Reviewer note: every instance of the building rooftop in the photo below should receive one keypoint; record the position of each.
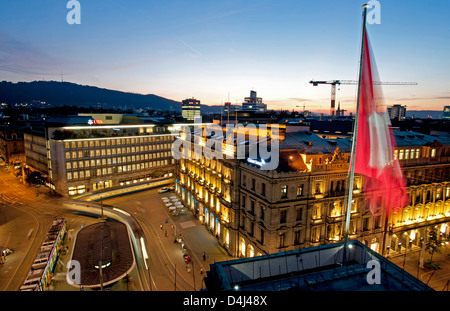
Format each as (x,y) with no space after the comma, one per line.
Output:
(67,120)
(412,139)
(306,141)
(311,269)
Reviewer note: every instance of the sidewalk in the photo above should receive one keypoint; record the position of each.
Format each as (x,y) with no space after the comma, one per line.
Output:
(436,279)
(195,237)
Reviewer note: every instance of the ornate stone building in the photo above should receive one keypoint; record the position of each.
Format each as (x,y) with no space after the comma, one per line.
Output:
(303,202)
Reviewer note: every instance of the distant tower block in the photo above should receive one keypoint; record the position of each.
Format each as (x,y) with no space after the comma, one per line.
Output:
(190,109)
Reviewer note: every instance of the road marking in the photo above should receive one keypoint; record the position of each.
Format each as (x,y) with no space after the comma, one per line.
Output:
(29,232)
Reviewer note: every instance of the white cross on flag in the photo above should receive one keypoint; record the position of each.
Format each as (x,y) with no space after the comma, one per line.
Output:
(376,143)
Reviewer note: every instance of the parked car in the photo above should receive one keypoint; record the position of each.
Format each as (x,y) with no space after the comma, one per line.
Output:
(172,188)
(162,190)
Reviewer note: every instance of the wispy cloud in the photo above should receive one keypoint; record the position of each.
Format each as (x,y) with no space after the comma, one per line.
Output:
(195,52)
(22,58)
(413,98)
(213,17)
(27,61)
(299,99)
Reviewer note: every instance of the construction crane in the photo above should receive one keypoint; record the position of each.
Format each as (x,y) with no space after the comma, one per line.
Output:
(350,82)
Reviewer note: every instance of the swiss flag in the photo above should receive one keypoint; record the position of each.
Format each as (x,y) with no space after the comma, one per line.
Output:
(375,144)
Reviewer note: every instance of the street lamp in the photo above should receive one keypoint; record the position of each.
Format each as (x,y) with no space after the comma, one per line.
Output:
(422,253)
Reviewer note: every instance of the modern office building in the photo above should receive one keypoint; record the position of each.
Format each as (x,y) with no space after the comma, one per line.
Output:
(84,154)
(446,113)
(254,103)
(190,109)
(397,112)
(230,110)
(302,203)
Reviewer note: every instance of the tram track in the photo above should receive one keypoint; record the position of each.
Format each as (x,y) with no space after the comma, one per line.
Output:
(161,265)
(162,258)
(25,241)
(42,218)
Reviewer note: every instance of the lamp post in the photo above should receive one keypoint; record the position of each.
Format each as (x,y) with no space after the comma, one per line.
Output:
(422,252)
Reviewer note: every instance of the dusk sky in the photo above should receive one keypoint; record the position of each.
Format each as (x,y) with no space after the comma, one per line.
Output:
(214,49)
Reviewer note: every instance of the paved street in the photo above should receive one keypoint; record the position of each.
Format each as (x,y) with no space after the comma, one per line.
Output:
(26,214)
(168,269)
(436,279)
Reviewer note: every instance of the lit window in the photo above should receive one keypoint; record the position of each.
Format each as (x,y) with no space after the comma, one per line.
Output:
(299,190)
(284,191)
(433,153)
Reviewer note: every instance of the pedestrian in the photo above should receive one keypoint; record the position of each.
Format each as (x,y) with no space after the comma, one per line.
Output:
(165,233)
(161,226)
(201,269)
(204,256)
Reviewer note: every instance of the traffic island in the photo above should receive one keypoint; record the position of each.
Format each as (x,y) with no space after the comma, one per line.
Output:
(103,251)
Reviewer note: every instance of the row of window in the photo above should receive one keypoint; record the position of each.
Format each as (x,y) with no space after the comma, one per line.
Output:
(284,188)
(81,174)
(250,208)
(116,160)
(421,176)
(427,194)
(335,187)
(117,141)
(413,153)
(405,154)
(114,151)
(333,232)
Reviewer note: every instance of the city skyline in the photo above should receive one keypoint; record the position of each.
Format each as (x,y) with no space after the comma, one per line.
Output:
(219,51)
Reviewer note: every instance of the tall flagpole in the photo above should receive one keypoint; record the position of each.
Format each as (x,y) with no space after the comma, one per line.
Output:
(355,134)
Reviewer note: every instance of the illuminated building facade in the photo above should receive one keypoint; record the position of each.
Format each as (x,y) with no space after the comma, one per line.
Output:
(397,112)
(190,109)
(11,147)
(85,155)
(446,113)
(303,202)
